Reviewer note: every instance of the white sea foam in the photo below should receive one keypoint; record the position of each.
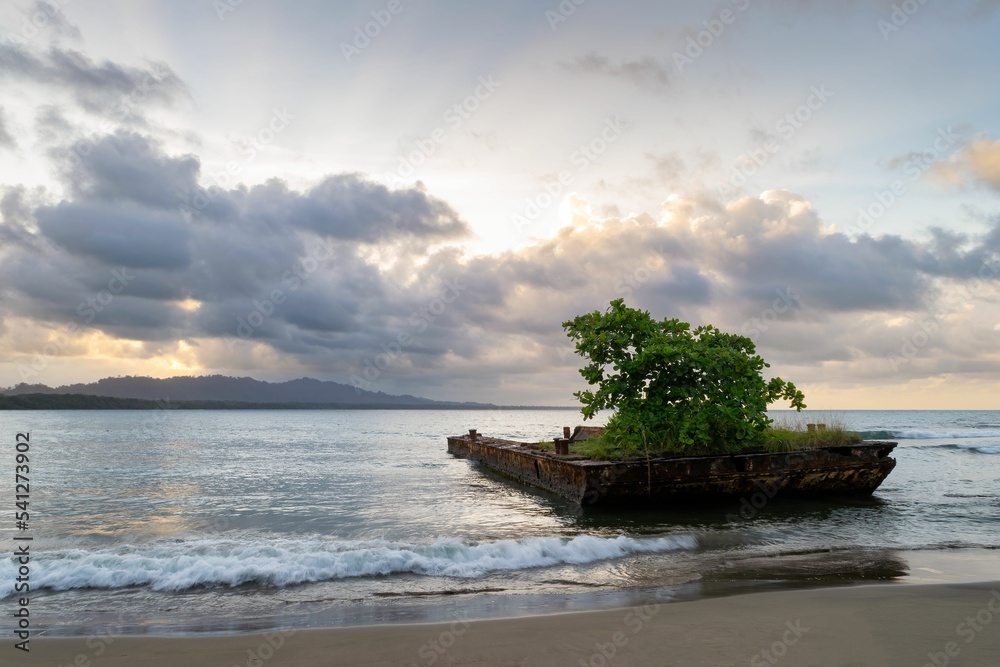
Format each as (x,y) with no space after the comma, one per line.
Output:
(991,448)
(917,434)
(180,565)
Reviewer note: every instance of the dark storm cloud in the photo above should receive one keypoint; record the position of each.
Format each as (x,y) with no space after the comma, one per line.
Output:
(128,167)
(60,289)
(645,72)
(16,211)
(118,234)
(97,87)
(349,207)
(686,285)
(317,310)
(834,273)
(125,213)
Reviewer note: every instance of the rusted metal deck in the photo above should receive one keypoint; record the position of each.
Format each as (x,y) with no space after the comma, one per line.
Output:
(855,470)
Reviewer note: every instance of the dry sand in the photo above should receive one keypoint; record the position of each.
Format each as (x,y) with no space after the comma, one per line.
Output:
(862,626)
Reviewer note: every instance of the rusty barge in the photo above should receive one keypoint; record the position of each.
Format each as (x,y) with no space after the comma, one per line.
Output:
(852,470)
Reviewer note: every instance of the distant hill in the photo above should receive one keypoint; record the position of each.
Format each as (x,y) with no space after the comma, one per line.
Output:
(224,389)
(81,402)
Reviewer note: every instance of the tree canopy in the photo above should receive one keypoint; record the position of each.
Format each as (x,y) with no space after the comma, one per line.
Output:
(674,388)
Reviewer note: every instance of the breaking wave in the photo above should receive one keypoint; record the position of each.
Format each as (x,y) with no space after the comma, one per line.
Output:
(978,449)
(913,434)
(182,565)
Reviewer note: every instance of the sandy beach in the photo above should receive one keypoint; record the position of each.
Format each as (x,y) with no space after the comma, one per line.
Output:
(858,626)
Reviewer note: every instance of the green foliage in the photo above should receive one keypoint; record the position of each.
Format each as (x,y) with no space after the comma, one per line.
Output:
(73,402)
(674,389)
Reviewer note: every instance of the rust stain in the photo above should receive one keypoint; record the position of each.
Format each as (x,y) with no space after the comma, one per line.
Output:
(836,471)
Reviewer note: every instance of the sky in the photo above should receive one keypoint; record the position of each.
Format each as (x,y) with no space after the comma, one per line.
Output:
(412,196)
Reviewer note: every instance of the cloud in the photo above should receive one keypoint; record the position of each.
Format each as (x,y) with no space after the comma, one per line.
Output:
(667,167)
(6,138)
(48,16)
(16,212)
(978,162)
(645,72)
(985,8)
(103,88)
(963,9)
(129,167)
(325,279)
(51,125)
(118,234)
(124,216)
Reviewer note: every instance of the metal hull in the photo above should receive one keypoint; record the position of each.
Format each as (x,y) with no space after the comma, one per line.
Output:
(856,470)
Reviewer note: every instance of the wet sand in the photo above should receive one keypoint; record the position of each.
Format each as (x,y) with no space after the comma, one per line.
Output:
(916,625)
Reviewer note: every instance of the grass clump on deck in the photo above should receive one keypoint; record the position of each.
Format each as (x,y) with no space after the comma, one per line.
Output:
(783,438)
(787,440)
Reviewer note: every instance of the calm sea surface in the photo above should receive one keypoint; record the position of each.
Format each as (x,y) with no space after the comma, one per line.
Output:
(224,521)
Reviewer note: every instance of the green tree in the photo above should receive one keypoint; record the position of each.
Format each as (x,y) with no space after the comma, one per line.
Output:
(674,389)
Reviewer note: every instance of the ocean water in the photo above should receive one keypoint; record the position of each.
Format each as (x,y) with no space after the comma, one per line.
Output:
(176,522)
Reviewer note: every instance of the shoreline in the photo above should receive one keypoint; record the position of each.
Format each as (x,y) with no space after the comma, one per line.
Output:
(871,624)
(753,575)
